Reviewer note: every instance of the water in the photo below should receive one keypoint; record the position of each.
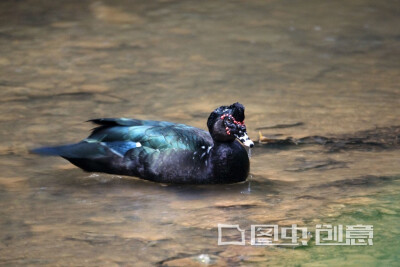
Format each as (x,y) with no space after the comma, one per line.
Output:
(333,66)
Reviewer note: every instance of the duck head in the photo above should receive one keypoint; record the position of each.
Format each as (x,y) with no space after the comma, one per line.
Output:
(226,123)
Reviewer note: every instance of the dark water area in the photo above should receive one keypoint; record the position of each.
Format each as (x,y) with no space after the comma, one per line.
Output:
(320,81)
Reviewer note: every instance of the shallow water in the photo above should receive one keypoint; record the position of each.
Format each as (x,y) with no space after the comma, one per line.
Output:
(333,66)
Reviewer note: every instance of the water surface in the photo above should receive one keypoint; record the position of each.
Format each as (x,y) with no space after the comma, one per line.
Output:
(331,68)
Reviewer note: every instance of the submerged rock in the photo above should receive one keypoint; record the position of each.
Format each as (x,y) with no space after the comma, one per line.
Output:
(327,164)
(194,261)
(375,139)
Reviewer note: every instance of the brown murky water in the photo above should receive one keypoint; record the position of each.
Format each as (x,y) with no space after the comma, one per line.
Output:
(330,68)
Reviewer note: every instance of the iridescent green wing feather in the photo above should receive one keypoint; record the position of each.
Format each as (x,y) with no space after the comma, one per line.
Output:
(150,134)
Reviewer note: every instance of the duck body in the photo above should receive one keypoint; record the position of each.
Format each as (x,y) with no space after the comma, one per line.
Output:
(159,151)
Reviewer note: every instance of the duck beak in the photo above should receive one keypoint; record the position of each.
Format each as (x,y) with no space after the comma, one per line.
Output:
(246,140)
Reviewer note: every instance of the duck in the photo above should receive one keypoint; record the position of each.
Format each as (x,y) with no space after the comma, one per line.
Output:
(165,152)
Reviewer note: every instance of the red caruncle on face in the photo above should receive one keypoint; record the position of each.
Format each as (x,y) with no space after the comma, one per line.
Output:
(240,123)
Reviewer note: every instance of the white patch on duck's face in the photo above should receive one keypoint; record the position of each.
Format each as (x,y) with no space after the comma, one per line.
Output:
(138,144)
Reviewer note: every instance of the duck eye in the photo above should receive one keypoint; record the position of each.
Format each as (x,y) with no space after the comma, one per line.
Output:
(227,118)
